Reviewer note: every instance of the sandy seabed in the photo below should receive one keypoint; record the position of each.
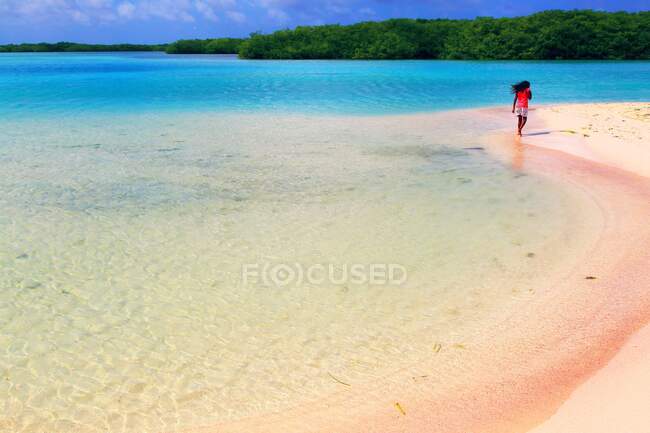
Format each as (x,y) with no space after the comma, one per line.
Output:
(574,358)
(546,344)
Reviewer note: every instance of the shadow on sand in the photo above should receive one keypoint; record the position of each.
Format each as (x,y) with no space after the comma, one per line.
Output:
(537,133)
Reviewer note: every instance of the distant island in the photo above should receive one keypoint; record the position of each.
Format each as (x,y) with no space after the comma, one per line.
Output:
(71,47)
(549,35)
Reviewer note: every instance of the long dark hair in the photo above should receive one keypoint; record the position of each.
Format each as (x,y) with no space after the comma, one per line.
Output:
(520,86)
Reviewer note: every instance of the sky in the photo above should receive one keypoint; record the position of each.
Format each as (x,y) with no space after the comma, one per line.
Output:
(156,21)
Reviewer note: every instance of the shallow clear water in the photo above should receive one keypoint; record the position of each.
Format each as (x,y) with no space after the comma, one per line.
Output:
(125,229)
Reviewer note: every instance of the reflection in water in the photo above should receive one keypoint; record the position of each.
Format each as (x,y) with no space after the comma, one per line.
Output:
(518,150)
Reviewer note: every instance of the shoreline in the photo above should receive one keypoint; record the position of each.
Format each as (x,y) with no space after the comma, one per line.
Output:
(610,136)
(527,345)
(613,398)
(605,133)
(554,344)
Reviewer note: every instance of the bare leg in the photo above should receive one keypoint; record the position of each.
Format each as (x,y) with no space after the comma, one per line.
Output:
(523,123)
(519,124)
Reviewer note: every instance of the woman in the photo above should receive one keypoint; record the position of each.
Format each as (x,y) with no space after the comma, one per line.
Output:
(520,104)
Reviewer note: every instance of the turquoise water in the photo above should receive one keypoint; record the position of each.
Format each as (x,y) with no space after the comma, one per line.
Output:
(123,241)
(135,188)
(69,84)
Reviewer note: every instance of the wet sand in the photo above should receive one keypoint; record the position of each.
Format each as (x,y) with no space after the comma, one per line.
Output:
(123,306)
(615,398)
(534,344)
(532,365)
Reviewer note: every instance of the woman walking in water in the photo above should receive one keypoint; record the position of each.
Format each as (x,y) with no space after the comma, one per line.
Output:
(520,104)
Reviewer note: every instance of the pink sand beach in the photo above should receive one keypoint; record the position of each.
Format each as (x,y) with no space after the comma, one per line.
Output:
(526,308)
(572,359)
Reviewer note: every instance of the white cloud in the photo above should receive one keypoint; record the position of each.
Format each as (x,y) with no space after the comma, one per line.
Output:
(88,11)
(126,10)
(222,4)
(206,10)
(94,4)
(30,12)
(186,17)
(278,14)
(169,10)
(79,17)
(236,16)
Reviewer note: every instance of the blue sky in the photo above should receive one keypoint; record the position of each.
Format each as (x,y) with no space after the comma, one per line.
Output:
(146,21)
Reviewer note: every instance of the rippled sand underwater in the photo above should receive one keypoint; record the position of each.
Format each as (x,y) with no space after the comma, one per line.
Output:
(122,305)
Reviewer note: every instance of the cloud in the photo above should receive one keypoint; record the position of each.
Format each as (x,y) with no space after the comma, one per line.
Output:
(278,15)
(126,10)
(168,10)
(79,17)
(95,4)
(206,10)
(236,16)
(28,12)
(88,11)
(265,14)
(315,11)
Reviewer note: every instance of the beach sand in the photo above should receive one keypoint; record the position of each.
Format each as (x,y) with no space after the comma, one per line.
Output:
(559,344)
(615,134)
(560,362)
(616,397)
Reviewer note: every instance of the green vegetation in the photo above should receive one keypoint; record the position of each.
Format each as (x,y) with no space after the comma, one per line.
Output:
(549,35)
(185,46)
(553,35)
(205,46)
(73,47)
